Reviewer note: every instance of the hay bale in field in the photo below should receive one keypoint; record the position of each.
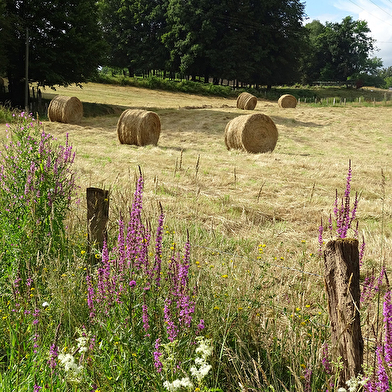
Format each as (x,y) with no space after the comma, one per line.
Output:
(65,109)
(287,101)
(246,101)
(138,127)
(252,133)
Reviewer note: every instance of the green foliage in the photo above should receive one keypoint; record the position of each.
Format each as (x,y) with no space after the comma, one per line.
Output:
(65,43)
(133,30)
(338,51)
(199,38)
(6,114)
(37,183)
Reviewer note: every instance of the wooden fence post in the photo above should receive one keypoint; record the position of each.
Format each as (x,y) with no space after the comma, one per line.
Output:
(97,217)
(341,261)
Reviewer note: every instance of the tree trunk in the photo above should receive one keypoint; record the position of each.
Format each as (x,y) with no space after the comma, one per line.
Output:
(341,261)
(16,89)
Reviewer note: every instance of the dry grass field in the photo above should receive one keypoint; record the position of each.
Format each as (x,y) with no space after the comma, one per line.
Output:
(232,199)
(277,197)
(233,203)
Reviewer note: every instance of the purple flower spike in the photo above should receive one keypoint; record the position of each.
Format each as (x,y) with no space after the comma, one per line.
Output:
(157,363)
(132,284)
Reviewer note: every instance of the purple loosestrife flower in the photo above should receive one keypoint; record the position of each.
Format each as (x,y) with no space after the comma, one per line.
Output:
(186,309)
(320,237)
(92,343)
(171,328)
(383,381)
(370,386)
(121,256)
(368,286)
(200,326)
(342,213)
(362,251)
(35,345)
(387,313)
(132,284)
(308,380)
(184,267)
(157,363)
(325,359)
(146,325)
(346,208)
(371,287)
(178,295)
(158,250)
(36,315)
(54,352)
(90,296)
(135,231)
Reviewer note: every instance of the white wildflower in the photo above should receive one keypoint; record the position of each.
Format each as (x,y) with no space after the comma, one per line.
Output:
(356,383)
(204,348)
(200,373)
(82,343)
(199,361)
(72,369)
(186,383)
(178,384)
(45,304)
(168,386)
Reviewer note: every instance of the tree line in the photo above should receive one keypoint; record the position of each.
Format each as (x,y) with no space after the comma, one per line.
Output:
(255,42)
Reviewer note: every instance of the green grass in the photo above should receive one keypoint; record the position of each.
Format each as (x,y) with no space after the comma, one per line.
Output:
(311,93)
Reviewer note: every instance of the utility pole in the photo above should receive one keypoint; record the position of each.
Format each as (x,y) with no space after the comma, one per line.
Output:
(27,72)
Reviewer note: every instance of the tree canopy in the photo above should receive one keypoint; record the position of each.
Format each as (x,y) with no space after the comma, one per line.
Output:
(256,42)
(64,39)
(338,51)
(253,41)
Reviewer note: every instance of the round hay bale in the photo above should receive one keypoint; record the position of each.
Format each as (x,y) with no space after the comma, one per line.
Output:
(65,109)
(287,101)
(252,133)
(138,127)
(246,101)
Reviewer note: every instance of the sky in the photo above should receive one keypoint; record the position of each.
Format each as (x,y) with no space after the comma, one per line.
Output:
(377,14)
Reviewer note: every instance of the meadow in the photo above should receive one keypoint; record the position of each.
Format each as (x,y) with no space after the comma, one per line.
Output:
(239,231)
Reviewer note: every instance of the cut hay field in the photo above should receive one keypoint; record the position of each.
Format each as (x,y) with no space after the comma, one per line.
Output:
(234,200)
(256,276)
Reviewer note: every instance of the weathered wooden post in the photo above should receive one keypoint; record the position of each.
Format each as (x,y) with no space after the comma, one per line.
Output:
(341,260)
(97,217)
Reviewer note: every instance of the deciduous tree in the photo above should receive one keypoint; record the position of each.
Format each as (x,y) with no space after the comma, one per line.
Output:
(133,30)
(340,51)
(64,39)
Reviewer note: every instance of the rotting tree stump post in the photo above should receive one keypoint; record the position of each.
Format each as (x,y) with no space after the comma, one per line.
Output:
(97,217)
(341,261)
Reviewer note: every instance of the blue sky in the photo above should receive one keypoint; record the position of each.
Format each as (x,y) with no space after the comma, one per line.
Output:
(377,14)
